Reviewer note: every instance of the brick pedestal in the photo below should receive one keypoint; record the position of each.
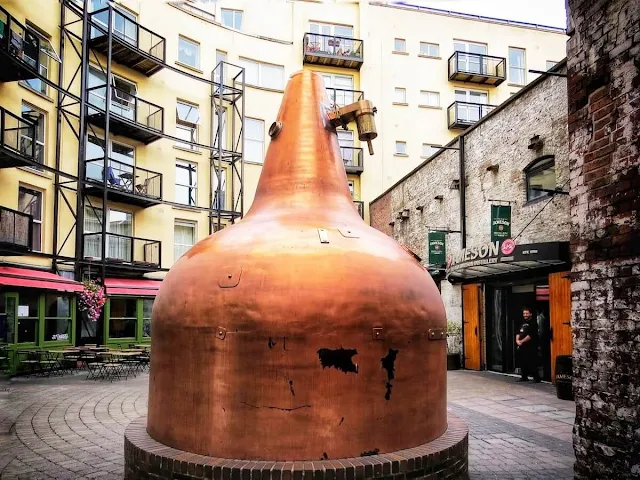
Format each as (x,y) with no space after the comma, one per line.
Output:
(443,458)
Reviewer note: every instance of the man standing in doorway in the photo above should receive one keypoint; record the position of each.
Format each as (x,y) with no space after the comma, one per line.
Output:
(527,350)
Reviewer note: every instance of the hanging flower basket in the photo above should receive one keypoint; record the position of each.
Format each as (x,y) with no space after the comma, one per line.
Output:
(92,299)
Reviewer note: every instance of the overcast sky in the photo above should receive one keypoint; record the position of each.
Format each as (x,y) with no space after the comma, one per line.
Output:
(542,12)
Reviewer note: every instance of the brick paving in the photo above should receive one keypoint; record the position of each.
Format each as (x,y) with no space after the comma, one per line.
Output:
(70,428)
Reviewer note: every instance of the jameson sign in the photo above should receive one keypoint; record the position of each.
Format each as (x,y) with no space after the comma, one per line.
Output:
(500,222)
(437,248)
(478,255)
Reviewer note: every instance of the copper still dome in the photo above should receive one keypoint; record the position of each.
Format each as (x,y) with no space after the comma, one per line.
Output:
(300,332)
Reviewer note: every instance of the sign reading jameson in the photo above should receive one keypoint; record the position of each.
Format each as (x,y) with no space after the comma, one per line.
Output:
(500,222)
(437,248)
(474,256)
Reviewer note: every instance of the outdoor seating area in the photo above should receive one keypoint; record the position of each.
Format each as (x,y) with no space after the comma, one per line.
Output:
(98,362)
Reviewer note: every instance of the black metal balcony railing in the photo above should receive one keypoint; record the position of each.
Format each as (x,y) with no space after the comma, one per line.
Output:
(332,50)
(134,45)
(353,159)
(16,139)
(22,46)
(476,68)
(465,114)
(16,229)
(123,249)
(360,207)
(339,97)
(125,177)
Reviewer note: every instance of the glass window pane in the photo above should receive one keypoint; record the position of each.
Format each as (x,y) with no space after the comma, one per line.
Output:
(251,71)
(399,45)
(27,330)
(57,305)
(146,327)
(121,307)
(399,95)
(188,52)
(28,305)
(57,329)
(541,178)
(186,112)
(30,201)
(147,306)
(272,76)
(401,148)
(122,327)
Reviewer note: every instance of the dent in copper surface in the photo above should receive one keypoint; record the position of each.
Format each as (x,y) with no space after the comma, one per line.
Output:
(237,369)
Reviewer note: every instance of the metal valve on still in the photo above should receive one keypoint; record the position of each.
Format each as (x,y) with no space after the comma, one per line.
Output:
(362,113)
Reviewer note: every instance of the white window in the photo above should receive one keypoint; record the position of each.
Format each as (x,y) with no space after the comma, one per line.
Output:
(232,18)
(428,150)
(401,148)
(332,39)
(472,105)
(187,121)
(186,183)
(551,64)
(34,115)
(399,95)
(184,237)
(517,68)
(264,75)
(254,140)
(429,99)
(188,52)
(119,241)
(429,49)
(345,140)
(471,58)
(399,45)
(352,188)
(30,202)
(339,89)
(331,29)
(219,72)
(38,49)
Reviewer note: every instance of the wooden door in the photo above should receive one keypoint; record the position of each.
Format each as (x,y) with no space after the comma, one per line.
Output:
(471,319)
(560,317)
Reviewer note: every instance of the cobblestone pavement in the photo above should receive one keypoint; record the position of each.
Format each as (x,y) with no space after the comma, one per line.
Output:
(70,428)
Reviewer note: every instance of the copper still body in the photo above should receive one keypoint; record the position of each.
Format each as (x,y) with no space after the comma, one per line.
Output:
(300,332)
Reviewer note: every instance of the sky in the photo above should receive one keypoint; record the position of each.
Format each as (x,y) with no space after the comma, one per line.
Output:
(543,12)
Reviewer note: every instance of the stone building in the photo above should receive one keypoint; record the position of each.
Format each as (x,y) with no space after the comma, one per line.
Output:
(604,122)
(516,174)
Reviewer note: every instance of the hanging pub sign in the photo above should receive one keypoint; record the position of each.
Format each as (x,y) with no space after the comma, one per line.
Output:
(437,248)
(500,222)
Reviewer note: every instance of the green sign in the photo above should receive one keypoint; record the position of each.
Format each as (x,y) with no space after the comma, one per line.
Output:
(500,222)
(437,248)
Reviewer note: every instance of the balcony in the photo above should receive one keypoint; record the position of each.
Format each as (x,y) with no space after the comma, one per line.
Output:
(125,183)
(132,45)
(339,97)
(464,114)
(477,68)
(16,230)
(124,253)
(17,148)
(130,116)
(332,50)
(19,50)
(353,159)
(360,207)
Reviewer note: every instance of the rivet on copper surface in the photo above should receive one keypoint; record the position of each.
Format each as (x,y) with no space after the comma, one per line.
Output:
(221,333)
(377,333)
(274,129)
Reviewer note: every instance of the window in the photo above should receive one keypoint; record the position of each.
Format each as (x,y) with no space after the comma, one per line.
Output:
(232,18)
(339,89)
(122,317)
(429,99)
(254,140)
(263,75)
(184,237)
(517,69)
(186,183)
(429,149)
(331,29)
(323,39)
(219,70)
(28,316)
(57,317)
(345,140)
(147,306)
(34,115)
(123,94)
(471,106)
(220,188)
(429,49)
(551,64)
(187,121)
(399,95)
(352,188)
(44,52)
(30,202)
(188,52)
(540,176)
(401,148)
(471,57)
(399,45)
(119,241)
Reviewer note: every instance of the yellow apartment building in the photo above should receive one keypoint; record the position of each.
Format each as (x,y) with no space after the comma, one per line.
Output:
(132,129)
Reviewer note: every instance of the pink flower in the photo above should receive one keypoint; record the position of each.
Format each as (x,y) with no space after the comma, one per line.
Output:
(92,299)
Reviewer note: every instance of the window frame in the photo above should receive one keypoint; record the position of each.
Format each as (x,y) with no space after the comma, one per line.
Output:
(403,43)
(549,67)
(188,224)
(139,319)
(260,84)
(397,152)
(433,149)
(429,94)
(39,221)
(262,140)
(540,164)
(192,169)
(182,38)
(401,90)
(234,12)
(523,69)
(429,45)
(42,143)
(187,126)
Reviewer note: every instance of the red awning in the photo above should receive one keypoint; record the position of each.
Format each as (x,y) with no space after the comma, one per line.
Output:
(24,277)
(132,286)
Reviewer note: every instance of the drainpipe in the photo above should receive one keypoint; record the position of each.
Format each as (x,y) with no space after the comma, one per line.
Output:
(463,190)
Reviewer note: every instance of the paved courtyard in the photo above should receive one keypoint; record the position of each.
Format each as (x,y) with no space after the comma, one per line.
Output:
(72,428)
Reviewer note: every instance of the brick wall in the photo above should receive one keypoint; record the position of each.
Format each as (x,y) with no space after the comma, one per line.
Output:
(380,215)
(604,122)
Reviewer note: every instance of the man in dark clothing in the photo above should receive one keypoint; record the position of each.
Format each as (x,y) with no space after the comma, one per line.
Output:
(527,347)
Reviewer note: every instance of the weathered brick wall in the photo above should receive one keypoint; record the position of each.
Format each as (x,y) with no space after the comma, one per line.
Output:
(604,122)
(380,214)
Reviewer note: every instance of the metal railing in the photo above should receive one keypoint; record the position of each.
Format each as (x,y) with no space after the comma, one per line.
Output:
(128,31)
(467,113)
(351,156)
(18,41)
(17,134)
(360,207)
(16,228)
(125,177)
(333,46)
(339,97)
(123,249)
(476,64)
(127,106)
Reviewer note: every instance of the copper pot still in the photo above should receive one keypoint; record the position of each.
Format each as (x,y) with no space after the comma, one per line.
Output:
(300,332)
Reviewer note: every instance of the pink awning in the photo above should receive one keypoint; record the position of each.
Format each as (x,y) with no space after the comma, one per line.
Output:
(132,286)
(24,277)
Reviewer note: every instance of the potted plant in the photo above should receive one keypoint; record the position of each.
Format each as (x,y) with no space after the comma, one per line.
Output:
(454,345)
(92,299)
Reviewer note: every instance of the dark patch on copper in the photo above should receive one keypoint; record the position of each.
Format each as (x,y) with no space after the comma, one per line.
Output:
(291,388)
(388,364)
(271,343)
(368,453)
(341,420)
(324,456)
(340,359)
